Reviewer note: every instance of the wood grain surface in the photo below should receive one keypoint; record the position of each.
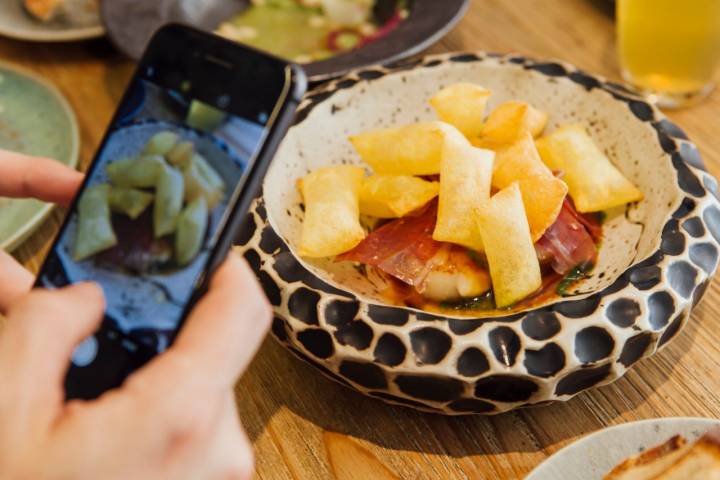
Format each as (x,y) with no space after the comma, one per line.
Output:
(303,425)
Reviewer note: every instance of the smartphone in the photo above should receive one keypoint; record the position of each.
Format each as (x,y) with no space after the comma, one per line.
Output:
(184,156)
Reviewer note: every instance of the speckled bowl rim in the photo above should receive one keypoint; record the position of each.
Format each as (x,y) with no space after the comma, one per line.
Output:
(374,379)
(34,222)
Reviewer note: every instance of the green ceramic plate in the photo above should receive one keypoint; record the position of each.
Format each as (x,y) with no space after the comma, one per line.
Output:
(37,120)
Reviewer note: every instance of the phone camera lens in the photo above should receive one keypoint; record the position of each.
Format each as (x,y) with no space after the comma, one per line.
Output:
(223,101)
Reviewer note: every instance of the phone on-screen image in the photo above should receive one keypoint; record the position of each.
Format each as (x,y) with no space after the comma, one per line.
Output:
(183,158)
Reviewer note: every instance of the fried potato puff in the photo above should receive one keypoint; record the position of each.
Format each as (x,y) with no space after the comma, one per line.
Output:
(595,183)
(462,105)
(510,122)
(410,150)
(543,193)
(514,266)
(394,196)
(465,178)
(332,211)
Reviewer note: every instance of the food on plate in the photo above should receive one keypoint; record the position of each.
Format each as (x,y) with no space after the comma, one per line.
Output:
(191,226)
(465,179)
(116,224)
(130,201)
(462,105)
(569,246)
(140,172)
(511,121)
(404,248)
(75,11)
(332,211)
(674,459)
(595,183)
(180,154)
(513,263)
(311,30)
(202,180)
(409,150)
(394,196)
(94,229)
(543,193)
(161,143)
(504,230)
(169,194)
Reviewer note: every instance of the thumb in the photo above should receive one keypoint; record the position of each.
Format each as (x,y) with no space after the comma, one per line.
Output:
(43,328)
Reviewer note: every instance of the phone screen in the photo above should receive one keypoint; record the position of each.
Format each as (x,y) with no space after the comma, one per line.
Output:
(147,219)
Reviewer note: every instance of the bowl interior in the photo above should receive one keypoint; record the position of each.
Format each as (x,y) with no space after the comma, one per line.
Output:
(630,234)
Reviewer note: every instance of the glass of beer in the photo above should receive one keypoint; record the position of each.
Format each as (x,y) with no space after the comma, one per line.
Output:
(670,49)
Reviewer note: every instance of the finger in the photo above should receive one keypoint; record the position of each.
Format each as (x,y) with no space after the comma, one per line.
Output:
(23,176)
(220,336)
(43,328)
(223,452)
(225,330)
(15,281)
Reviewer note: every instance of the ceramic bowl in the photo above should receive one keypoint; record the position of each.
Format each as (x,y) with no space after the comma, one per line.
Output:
(16,23)
(39,121)
(655,261)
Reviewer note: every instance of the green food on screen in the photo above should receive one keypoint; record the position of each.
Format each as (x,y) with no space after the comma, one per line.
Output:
(169,174)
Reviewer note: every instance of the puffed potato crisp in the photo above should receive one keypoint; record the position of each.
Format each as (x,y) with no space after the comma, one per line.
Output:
(465,178)
(410,150)
(514,266)
(511,121)
(394,196)
(462,105)
(595,183)
(542,192)
(332,212)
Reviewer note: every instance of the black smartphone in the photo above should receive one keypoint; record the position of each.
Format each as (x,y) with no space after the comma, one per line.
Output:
(182,160)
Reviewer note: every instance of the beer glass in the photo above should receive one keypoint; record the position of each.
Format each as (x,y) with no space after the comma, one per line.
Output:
(669,49)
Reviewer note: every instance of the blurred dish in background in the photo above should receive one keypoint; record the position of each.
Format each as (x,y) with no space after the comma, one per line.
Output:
(71,12)
(670,50)
(51,20)
(595,455)
(361,32)
(34,119)
(306,31)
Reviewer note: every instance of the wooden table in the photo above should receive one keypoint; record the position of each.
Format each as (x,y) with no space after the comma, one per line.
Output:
(305,426)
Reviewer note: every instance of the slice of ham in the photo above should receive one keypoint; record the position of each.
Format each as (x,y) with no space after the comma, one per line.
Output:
(570,241)
(402,248)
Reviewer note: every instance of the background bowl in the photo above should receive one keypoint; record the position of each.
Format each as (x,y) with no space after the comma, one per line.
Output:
(37,120)
(15,22)
(130,24)
(654,264)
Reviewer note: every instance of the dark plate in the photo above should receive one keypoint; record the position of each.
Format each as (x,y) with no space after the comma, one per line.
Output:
(130,24)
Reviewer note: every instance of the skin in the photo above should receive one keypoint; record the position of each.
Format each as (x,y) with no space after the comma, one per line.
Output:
(175,418)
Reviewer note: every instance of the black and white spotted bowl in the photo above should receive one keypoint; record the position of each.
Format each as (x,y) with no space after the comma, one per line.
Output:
(655,261)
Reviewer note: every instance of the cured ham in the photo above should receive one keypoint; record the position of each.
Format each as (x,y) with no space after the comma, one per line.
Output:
(405,250)
(570,241)
(402,248)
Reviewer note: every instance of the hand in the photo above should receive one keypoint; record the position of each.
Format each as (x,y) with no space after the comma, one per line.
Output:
(30,177)
(175,418)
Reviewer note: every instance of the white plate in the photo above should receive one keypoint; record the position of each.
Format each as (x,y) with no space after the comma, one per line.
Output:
(16,23)
(595,455)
